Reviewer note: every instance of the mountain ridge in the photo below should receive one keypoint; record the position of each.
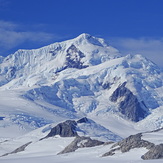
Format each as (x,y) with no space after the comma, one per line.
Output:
(24,62)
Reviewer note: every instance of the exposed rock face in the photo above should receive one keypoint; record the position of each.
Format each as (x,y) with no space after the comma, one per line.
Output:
(129,105)
(82,120)
(111,152)
(133,141)
(20,149)
(83,126)
(81,142)
(65,129)
(73,58)
(155,152)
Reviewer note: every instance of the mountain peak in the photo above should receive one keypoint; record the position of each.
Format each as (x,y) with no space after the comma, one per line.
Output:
(84,35)
(87,38)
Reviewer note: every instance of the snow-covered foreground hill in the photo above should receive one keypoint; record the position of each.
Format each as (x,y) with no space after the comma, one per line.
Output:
(82,77)
(40,150)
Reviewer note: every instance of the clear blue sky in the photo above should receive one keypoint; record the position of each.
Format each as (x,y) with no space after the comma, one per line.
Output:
(132,26)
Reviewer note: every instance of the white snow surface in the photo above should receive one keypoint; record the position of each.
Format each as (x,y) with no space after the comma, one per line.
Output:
(154,137)
(41,87)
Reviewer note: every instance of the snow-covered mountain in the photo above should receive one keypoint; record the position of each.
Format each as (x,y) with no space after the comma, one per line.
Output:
(40,65)
(82,77)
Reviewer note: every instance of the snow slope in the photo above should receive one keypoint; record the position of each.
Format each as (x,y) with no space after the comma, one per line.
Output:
(48,149)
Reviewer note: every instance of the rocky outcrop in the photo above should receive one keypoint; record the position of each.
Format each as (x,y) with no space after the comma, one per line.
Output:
(133,141)
(20,149)
(73,58)
(111,152)
(155,152)
(129,104)
(83,120)
(65,129)
(82,127)
(81,142)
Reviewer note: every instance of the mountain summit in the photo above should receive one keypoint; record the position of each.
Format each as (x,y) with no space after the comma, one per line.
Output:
(85,38)
(81,52)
